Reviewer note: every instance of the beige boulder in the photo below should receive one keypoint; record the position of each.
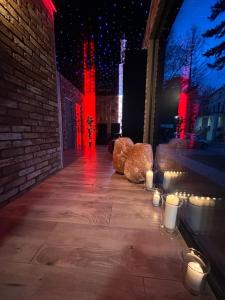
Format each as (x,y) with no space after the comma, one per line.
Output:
(121,150)
(140,159)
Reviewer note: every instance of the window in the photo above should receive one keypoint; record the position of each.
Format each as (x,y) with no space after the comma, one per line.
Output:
(193,83)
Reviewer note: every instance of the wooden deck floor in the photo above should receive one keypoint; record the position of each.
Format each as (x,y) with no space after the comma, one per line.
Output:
(87,233)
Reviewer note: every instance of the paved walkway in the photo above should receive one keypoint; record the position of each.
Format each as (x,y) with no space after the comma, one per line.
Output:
(87,233)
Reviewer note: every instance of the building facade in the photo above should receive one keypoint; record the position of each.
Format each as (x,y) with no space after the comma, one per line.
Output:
(211,122)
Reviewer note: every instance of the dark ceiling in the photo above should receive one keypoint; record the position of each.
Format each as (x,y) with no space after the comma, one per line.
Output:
(105,21)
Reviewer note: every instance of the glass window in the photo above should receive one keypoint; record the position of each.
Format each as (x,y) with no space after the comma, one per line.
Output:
(191,118)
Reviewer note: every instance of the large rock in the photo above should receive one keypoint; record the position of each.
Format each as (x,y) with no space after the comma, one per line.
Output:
(140,159)
(122,147)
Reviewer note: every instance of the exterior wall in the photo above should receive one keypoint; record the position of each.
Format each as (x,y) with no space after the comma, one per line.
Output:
(29,130)
(70,95)
(212,121)
(107,110)
(151,44)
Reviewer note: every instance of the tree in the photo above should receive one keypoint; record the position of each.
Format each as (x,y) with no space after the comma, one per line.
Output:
(218,51)
(184,52)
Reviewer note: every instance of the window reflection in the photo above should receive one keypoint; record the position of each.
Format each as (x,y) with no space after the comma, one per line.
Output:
(191,124)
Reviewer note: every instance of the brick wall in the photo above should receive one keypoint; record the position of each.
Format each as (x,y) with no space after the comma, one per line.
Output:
(69,96)
(29,134)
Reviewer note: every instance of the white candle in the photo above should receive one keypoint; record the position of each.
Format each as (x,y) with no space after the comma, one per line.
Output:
(156,198)
(171,207)
(149,179)
(166,180)
(194,276)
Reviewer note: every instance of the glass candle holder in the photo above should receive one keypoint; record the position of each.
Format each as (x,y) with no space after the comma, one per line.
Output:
(149,180)
(170,212)
(195,270)
(156,197)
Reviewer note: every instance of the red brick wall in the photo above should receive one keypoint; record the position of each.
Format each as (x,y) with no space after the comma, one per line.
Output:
(29,134)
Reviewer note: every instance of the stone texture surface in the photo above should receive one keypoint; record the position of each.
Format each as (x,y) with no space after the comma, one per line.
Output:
(121,150)
(140,159)
(29,135)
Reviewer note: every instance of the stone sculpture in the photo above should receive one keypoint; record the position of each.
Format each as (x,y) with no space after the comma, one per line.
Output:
(140,159)
(122,147)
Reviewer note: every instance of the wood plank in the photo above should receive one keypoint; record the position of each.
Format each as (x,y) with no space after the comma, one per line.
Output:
(87,233)
(21,239)
(36,282)
(84,213)
(145,216)
(150,242)
(127,261)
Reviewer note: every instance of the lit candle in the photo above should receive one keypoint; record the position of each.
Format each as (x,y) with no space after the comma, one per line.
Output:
(171,207)
(195,213)
(194,276)
(149,179)
(166,180)
(156,198)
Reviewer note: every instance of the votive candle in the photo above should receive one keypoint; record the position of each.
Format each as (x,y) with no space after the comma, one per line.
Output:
(149,179)
(194,276)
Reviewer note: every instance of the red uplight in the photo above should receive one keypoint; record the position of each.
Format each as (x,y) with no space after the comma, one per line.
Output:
(50,6)
(182,113)
(183,104)
(89,99)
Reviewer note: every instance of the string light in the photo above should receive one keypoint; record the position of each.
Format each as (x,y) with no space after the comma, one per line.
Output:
(107,23)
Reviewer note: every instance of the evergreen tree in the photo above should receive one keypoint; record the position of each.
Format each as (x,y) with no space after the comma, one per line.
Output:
(218,52)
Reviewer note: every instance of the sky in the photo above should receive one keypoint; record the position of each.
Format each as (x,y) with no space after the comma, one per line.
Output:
(196,13)
(106,21)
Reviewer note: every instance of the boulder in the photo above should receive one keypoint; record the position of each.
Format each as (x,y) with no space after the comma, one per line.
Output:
(122,147)
(140,159)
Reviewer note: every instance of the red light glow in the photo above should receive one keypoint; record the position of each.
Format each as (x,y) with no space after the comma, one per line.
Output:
(89,99)
(49,6)
(183,105)
(182,113)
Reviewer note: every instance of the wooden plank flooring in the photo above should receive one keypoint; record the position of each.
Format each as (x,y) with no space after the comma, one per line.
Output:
(87,233)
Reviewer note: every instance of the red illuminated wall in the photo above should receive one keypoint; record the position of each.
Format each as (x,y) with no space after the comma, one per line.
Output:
(89,99)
